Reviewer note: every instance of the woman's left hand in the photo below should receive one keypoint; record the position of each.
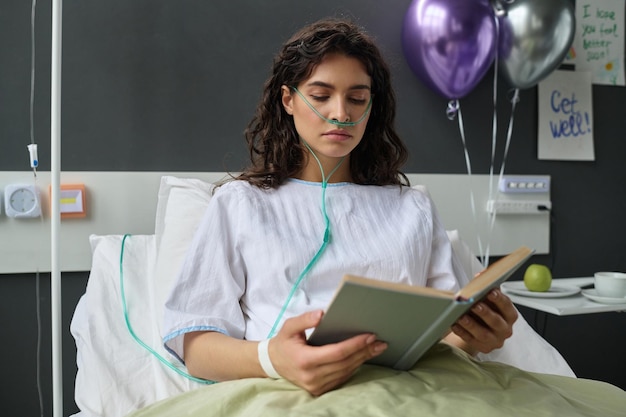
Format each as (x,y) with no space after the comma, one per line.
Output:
(488,324)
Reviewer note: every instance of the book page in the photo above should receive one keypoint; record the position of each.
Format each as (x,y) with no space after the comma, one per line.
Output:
(396,286)
(495,274)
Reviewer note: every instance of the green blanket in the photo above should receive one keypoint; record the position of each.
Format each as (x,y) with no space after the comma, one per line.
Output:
(445,382)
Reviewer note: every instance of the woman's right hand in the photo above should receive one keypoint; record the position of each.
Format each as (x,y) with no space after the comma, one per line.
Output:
(318,369)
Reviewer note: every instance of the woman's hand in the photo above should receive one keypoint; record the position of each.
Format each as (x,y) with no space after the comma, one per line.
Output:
(218,357)
(488,325)
(318,369)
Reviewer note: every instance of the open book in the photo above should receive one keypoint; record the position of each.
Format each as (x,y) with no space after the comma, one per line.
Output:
(410,319)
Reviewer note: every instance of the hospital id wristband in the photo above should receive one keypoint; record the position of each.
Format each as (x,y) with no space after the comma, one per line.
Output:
(265,361)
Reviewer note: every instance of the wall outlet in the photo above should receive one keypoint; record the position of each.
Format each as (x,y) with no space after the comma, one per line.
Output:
(518,207)
(524,184)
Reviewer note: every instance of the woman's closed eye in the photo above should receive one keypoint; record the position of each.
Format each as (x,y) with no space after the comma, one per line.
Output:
(320,99)
(354,100)
(359,101)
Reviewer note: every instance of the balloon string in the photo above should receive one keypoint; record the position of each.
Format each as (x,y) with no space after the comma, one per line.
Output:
(514,102)
(494,133)
(454,104)
(509,134)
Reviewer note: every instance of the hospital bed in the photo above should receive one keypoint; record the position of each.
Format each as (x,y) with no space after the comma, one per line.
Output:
(124,370)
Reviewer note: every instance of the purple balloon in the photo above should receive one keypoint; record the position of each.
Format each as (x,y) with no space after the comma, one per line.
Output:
(450,44)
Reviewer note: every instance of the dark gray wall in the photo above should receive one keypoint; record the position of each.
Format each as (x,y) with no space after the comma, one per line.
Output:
(154,85)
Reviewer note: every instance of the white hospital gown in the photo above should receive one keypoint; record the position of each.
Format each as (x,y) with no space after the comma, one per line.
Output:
(252,245)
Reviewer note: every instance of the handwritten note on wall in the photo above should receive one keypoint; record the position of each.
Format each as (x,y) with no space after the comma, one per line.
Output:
(566,117)
(599,41)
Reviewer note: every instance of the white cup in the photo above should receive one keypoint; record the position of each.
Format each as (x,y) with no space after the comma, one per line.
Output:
(610,284)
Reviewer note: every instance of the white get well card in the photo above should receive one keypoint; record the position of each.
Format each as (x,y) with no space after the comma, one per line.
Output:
(565,128)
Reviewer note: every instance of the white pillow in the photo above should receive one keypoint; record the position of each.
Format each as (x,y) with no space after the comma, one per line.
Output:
(180,197)
(115,374)
(181,206)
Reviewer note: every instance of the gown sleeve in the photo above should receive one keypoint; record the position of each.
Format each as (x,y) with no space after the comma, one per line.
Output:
(206,293)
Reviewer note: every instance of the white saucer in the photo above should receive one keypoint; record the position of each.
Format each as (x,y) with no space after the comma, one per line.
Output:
(593,295)
(555,291)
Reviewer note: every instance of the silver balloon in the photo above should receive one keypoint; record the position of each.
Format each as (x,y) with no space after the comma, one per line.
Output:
(535,36)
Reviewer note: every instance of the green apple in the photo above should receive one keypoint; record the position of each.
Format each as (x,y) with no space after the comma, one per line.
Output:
(538,278)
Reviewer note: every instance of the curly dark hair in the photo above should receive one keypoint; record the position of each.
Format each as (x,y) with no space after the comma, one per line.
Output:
(276,152)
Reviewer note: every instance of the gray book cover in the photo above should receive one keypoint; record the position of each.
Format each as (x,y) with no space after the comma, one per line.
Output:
(410,319)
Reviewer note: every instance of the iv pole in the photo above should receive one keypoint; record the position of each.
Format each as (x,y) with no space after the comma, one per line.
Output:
(55,228)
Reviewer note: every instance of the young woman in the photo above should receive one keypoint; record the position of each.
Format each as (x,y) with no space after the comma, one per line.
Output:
(322,197)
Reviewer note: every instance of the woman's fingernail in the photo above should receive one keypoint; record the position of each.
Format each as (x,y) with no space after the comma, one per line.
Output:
(370,339)
(380,347)
(316,315)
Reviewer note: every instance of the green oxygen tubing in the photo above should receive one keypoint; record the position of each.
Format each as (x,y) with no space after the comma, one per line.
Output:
(320,251)
(326,239)
(134,335)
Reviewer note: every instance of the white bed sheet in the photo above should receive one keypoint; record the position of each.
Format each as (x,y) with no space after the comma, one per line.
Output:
(116,375)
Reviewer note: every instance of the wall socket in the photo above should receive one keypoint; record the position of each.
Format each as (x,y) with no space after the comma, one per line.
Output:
(518,207)
(524,184)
